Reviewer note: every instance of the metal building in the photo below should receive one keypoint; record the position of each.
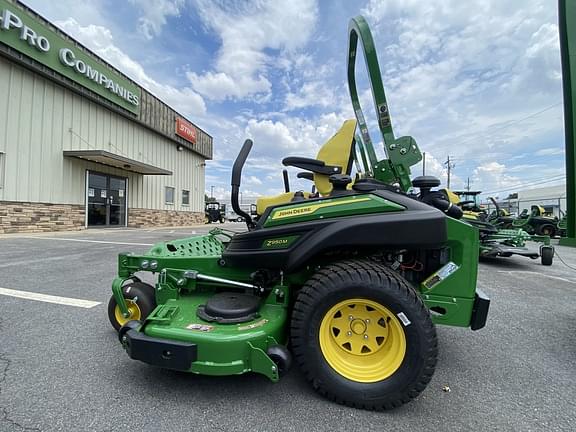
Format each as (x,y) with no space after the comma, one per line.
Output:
(81,144)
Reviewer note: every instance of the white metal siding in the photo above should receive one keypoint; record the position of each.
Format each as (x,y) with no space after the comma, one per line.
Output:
(39,120)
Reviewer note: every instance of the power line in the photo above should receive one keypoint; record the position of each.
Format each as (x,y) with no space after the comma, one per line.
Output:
(531,183)
(511,123)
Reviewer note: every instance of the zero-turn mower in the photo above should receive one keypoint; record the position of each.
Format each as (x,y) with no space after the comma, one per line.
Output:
(536,221)
(496,241)
(214,212)
(350,283)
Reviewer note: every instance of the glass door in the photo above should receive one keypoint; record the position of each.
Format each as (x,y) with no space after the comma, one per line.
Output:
(106,200)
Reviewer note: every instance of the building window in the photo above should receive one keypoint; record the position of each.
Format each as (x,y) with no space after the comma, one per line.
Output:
(169,195)
(185,197)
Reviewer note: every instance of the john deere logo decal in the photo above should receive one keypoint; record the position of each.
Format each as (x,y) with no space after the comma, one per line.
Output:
(309,209)
(293,212)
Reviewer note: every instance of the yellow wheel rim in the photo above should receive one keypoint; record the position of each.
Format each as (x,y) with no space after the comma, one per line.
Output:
(362,340)
(133,310)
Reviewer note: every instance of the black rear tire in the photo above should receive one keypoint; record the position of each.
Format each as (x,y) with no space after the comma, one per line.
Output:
(359,280)
(145,302)
(546,229)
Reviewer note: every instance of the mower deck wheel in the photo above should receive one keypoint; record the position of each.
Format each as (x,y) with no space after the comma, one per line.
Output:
(546,255)
(362,336)
(141,302)
(281,356)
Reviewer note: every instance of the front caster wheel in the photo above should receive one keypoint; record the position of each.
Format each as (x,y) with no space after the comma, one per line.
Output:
(362,336)
(130,325)
(282,357)
(141,302)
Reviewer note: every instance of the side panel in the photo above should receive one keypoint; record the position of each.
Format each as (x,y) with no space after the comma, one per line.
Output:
(453,296)
(330,208)
(391,221)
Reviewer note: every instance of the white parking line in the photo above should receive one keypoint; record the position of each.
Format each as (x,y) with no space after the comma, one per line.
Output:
(511,272)
(87,304)
(26,262)
(87,241)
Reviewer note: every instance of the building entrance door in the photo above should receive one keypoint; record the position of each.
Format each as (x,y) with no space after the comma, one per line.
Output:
(106,198)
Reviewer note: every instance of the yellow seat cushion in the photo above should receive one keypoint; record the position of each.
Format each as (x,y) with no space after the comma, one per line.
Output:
(263,203)
(336,152)
(452,197)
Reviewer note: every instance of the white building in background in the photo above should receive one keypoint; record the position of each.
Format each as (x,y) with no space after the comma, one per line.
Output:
(83,145)
(552,198)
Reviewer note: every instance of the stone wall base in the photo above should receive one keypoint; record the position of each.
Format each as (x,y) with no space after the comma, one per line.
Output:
(25,217)
(17,217)
(139,218)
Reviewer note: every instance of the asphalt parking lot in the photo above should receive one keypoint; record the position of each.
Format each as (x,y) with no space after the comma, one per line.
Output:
(62,368)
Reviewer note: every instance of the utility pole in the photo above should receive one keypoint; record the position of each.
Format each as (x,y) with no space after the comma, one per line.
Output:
(468,185)
(423,163)
(449,165)
(211,191)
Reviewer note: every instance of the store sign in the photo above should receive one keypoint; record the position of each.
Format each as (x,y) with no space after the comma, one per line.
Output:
(26,34)
(186,130)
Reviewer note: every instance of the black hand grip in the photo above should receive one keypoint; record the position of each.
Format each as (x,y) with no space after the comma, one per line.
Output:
(286,181)
(239,162)
(236,177)
(305,175)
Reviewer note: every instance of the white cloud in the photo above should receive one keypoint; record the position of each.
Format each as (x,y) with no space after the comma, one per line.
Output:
(293,136)
(100,40)
(155,13)
(272,133)
(247,31)
(252,180)
(220,86)
(493,176)
(551,151)
(82,11)
(313,93)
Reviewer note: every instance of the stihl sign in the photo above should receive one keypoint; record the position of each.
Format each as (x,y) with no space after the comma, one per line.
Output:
(185,130)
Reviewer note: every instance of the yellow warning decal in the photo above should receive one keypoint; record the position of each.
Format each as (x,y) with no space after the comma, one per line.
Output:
(301,211)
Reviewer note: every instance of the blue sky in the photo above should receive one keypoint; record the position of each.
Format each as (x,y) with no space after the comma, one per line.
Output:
(477,80)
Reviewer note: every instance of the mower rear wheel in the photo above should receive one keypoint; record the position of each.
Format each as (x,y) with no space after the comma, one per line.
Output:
(546,229)
(141,302)
(362,336)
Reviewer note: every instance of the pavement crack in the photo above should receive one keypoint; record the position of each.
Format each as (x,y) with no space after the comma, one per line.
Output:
(5,364)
